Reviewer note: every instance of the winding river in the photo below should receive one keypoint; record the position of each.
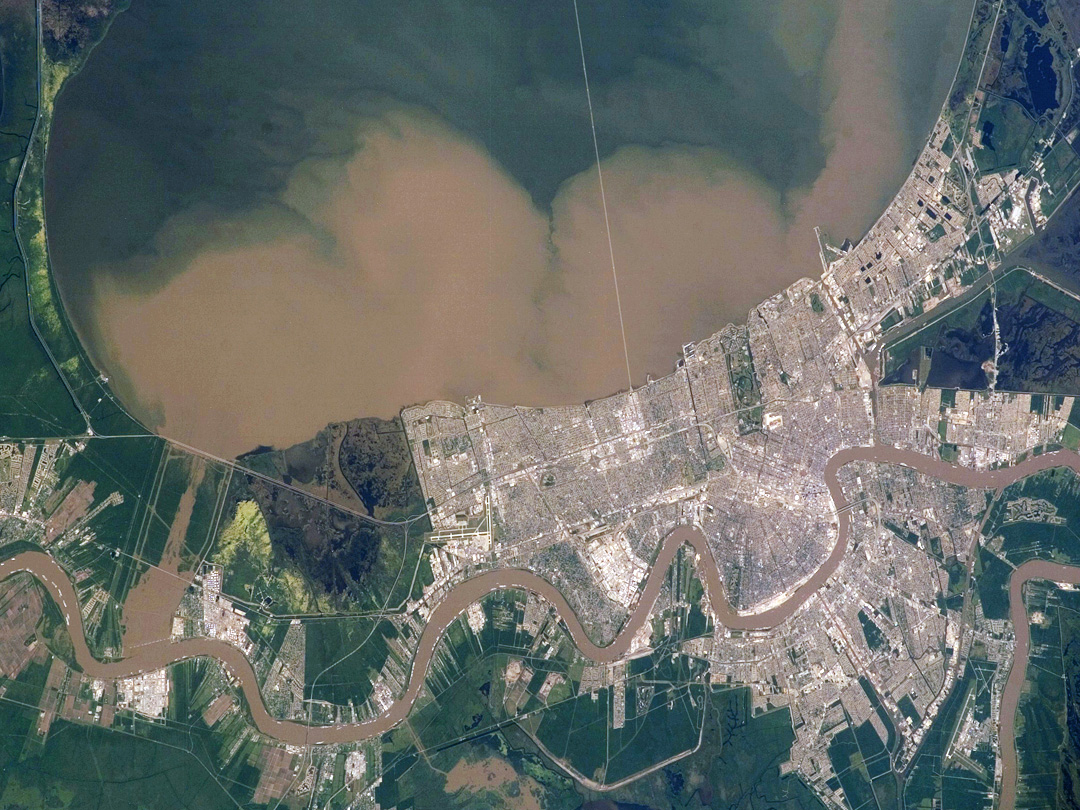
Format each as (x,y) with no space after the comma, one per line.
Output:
(162,653)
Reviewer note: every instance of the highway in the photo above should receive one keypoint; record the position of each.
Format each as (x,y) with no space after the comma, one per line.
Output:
(162,653)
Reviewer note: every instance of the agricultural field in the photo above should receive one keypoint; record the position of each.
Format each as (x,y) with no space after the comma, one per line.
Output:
(1005,130)
(943,772)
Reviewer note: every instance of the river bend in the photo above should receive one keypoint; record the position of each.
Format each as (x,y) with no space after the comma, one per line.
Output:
(159,654)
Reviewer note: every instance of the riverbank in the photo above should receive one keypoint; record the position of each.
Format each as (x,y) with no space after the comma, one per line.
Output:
(161,653)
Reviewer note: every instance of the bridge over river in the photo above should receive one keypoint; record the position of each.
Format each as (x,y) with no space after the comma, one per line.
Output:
(162,653)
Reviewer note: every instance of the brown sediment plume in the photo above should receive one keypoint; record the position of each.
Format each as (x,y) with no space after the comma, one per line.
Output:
(419,270)
(150,605)
(417,277)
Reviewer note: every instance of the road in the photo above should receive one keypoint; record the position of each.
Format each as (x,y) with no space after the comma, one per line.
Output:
(161,653)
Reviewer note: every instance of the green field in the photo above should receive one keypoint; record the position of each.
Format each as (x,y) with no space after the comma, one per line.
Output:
(1024,540)
(18,719)
(143,765)
(1049,757)
(1006,129)
(33,399)
(951,781)
(143,768)
(85,387)
(343,656)
(664,708)
(412,780)
(1061,172)
(736,767)
(958,106)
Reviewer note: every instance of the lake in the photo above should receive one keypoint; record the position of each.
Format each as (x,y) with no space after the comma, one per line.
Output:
(267,216)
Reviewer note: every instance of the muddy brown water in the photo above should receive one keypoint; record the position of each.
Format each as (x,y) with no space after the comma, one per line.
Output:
(150,605)
(250,250)
(164,652)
